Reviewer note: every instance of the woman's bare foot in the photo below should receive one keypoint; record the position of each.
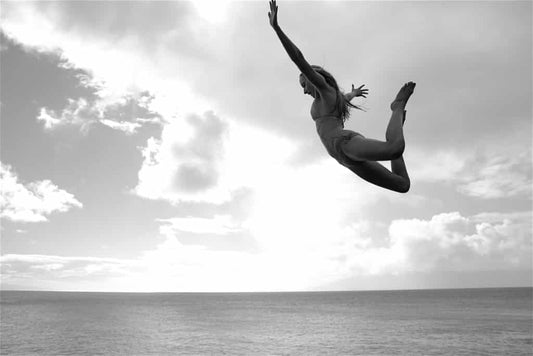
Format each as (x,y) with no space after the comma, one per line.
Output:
(403,95)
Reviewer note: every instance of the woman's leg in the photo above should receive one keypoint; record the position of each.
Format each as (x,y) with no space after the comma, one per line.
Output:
(360,148)
(398,167)
(375,173)
(364,149)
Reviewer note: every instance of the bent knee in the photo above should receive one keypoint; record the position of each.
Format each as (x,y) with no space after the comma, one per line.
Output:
(404,186)
(396,149)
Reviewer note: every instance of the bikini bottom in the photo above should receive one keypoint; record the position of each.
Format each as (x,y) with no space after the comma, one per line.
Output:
(335,142)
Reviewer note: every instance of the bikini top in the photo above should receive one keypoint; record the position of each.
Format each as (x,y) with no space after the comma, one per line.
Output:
(331,115)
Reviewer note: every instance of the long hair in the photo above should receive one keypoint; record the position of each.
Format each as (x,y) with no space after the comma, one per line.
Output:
(342,105)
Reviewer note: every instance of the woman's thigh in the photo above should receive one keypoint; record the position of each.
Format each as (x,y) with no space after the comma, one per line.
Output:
(360,148)
(377,174)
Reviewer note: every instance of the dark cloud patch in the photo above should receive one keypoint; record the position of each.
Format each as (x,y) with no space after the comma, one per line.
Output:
(210,131)
(195,177)
(197,159)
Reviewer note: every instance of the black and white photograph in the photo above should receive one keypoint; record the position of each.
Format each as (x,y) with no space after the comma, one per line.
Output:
(266,177)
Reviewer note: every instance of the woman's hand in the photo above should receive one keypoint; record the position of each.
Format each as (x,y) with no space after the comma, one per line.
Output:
(359,91)
(273,14)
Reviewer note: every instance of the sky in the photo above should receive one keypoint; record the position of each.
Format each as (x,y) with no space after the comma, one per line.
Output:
(168,147)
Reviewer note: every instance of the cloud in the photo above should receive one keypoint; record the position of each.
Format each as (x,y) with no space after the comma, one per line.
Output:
(77,112)
(485,173)
(127,127)
(450,241)
(33,201)
(199,155)
(185,163)
(208,158)
(116,100)
(122,61)
(447,242)
(126,113)
(49,120)
(500,176)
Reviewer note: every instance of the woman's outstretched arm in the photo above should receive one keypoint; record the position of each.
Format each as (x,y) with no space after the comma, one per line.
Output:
(294,53)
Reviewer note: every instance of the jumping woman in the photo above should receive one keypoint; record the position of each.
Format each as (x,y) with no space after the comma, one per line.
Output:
(331,108)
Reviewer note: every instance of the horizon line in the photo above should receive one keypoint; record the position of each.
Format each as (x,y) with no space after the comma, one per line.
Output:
(266,292)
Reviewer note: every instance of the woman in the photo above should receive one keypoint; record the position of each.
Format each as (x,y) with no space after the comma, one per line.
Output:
(330,109)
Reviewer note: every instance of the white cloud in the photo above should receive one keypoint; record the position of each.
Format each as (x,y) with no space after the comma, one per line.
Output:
(84,113)
(48,119)
(128,127)
(453,242)
(77,112)
(31,202)
(185,165)
(446,242)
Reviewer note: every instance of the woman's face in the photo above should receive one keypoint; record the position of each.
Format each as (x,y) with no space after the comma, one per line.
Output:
(307,86)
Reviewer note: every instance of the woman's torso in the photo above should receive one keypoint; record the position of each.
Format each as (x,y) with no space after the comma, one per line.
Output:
(324,104)
(326,117)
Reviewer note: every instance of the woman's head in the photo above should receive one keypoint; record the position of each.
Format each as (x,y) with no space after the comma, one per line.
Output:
(327,75)
(307,86)
(343,106)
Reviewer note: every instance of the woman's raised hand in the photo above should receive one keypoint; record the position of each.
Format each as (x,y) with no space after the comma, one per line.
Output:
(273,14)
(359,91)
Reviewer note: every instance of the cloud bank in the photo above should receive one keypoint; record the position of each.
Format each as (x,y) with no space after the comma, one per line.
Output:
(447,242)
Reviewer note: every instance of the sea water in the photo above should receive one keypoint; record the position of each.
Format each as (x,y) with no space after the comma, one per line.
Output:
(418,322)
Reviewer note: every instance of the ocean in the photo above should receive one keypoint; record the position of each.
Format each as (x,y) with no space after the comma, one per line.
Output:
(495,321)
